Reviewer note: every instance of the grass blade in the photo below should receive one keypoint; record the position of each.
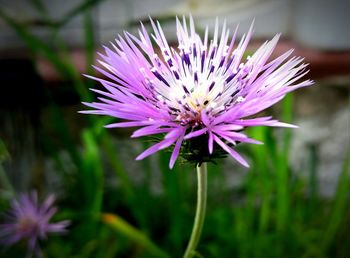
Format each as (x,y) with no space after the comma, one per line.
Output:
(121,226)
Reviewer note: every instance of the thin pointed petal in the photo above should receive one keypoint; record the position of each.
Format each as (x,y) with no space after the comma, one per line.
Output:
(176,151)
(156,147)
(233,153)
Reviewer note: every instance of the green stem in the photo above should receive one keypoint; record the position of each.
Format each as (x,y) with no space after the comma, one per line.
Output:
(200,211)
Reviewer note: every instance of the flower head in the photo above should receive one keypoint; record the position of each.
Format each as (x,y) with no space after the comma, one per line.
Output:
(200,91)
(28,220)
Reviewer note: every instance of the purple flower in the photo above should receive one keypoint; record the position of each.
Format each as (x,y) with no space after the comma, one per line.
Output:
(28,220)
(200,88)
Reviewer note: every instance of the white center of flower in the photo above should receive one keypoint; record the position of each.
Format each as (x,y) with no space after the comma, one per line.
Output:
(197,100)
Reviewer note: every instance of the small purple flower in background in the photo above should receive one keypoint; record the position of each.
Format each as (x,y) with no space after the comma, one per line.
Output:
(200,89)
(28,220)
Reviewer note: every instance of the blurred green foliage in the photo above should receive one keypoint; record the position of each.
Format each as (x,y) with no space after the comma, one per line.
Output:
(273,213)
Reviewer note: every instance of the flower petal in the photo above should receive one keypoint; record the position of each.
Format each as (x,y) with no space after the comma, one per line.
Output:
(233,153)
(129,124)
(176,150)
(211,142)
(195,133)
(156,147)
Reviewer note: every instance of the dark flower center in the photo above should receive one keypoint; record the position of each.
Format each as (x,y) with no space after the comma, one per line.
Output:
(195,150)
(26,225)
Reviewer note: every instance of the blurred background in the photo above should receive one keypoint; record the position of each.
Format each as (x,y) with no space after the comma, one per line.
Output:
(292,202)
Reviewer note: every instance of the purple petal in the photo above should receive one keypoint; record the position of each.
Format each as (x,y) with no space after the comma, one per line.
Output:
(156,147)
(174,133)
(195,133)
(176,150)
(149,130)
(211,142)
(58,227)
(47,205)
(233,153)
(205,118)
(129,124)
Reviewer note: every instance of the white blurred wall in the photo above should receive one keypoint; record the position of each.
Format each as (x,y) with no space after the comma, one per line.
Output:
(111,16)
(301,19)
